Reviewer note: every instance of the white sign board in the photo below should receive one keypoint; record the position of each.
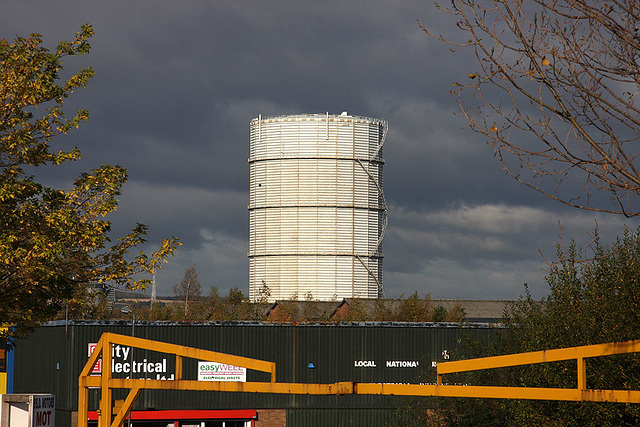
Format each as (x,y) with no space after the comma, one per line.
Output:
(44,410)
(212,371)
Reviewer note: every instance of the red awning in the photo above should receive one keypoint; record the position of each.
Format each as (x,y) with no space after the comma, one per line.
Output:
(191,414)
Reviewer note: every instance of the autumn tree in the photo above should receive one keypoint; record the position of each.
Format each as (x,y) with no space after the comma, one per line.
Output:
(188,289)
(456,314)
(238,305)
(214,303)
(554,90)
(382,310)
(357,312)
(415,309)
(261,303)
(235,296)
(52,240)
(162,311)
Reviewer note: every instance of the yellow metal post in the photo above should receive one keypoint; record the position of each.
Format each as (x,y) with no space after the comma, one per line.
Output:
(178,375)
(83,406)
(83,388)
(582,373)
(106,392)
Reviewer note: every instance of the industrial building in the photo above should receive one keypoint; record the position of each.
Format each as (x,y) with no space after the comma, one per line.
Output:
(317,213)
(51,359)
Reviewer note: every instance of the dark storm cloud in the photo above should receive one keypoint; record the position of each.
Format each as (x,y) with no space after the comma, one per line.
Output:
(178,82)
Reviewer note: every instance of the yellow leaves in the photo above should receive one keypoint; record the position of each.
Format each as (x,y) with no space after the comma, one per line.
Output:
(472,76)
(493,129)
(51,237)
(545,62)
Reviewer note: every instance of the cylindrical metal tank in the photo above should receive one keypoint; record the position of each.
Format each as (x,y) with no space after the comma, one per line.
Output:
(317,213)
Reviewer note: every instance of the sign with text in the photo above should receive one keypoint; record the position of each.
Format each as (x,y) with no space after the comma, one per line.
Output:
(97,368)
(122,362)
(44,410)
(212,371)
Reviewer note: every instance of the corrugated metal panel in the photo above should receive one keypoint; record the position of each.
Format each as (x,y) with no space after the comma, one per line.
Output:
(50,360)
(314,195)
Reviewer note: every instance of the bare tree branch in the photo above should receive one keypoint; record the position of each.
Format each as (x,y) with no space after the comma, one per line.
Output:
(555,93)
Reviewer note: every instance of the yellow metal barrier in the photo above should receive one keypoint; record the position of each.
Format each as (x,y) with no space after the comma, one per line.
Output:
(579,354)
(107,383)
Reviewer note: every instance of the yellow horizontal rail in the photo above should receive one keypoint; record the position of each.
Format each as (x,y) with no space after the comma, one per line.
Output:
(493,392)
(556,355)
(246,387)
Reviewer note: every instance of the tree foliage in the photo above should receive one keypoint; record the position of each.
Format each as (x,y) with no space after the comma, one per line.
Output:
(415,309)
(188,289)
(590,302)
(52,240)
(555,90)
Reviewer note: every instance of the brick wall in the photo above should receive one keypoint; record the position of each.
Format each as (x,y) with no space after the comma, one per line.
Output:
(272,418)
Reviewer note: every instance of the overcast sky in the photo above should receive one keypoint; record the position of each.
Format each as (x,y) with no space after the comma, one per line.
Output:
(177,83)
